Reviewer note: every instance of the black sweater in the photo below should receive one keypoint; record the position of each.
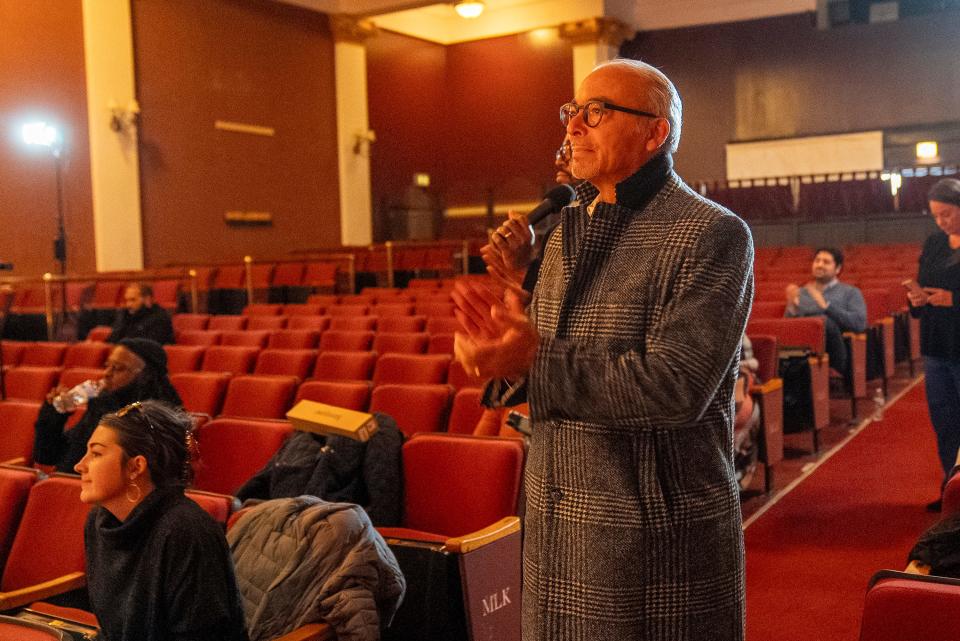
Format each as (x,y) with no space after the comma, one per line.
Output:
(939,326)
(148,322)
(165,573)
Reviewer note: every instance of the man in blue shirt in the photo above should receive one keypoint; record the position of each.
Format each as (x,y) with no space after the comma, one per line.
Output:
(841,305)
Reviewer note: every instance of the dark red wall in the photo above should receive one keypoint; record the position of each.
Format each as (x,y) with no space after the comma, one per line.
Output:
(42,76)
(480,116)
(250,61)
(782,77)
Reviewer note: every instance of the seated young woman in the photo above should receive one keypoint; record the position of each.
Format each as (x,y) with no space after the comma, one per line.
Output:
(158,566)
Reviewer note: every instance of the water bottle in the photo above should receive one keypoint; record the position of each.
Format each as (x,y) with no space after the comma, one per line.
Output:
(878,403)
(77,396)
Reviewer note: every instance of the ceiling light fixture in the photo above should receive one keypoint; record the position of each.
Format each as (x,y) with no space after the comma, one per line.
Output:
(468,8)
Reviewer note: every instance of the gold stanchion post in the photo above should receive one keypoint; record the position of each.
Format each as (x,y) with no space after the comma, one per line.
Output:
(48,303)
(194,298)
(389,246)
(247,268)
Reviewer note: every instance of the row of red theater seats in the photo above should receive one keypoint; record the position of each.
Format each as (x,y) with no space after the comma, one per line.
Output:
(415,407)
(399,322)
(329,340)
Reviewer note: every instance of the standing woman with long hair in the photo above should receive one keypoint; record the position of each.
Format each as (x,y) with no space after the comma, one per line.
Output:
(937,304)
(158,566)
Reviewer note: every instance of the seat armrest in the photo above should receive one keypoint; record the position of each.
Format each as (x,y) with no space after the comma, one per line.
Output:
(469,542)
(19,461)
(40,591)
(309,632)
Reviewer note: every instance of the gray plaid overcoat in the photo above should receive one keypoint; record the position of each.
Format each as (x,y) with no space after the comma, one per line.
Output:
(632,528)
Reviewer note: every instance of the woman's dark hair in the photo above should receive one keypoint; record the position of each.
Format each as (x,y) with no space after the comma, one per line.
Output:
(161,434)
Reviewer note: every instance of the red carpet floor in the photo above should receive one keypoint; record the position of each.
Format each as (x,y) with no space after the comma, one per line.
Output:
(809,557)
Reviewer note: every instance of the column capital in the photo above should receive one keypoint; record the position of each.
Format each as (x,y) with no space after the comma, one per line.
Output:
(599,30)
(350,29)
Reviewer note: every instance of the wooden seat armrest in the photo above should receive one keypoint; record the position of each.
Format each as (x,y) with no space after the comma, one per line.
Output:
(860,336)
(40,591)
(766,388)
(309,632)
(15,461)
(469,542)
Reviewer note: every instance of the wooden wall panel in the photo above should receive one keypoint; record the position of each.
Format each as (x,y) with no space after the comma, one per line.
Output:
(781,77)
(478,116)
(42,76)
(250,61)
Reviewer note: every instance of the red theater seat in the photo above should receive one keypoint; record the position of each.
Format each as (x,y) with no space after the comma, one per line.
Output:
(233,449)
(99,334)
(184,358)
(204,337)
(353,323)
(316,323)
(459,379)
(30,383)
(43,552)
(263,310)
(227,322)
(345,366)
(348,310)
(338,341)
(15,484)
(443,325)
(76,375)
(271,323)
(401,323)
(466,411)
(12,353)
(259,396)
(201,392)
(235,360)
(302,309)
(286,362)
(411,369)
(190,322)
(352,395)
(246,338)
(900,607)
(44,354)
(87,355)
(16,431)
(393,309)
(401,342)
(294,339)
(415,408)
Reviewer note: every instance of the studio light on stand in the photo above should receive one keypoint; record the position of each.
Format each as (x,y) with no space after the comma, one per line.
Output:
(43,134)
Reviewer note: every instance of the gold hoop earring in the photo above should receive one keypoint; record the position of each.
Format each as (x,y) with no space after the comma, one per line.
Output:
(139,493)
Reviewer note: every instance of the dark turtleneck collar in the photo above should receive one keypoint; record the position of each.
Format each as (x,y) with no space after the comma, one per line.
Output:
(140,520)
(634,192)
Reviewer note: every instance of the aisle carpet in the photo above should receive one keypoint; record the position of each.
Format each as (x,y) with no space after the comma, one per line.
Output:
(809,557)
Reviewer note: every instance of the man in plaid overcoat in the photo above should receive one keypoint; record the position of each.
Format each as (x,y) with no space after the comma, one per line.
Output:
(628,355)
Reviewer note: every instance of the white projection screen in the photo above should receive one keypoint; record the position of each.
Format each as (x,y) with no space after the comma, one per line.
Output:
(842,153)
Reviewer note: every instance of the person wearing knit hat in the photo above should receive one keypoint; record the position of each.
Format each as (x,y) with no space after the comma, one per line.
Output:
(935,300)
(136,370)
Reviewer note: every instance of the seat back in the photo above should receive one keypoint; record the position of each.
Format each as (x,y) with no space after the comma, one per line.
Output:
(204,337)
(263,309)
(398,323)
(345,366)
(201,392)
(951,497)
(455,484)
(294,339)
(87,355)
(99,334)
(76,375)
(791,332)
(900,606)
(44,354)
(246,338)
(184,358)
(15,484)
(343,341)
(353,323)
(17,419)
(415,408)
(302,309)
(352,395)
(190,322)
(259,396)
(466,412)
(401,342)
(229,358)
(415,369)
(232,450)
(218,506)
(765,351)
(269,323)
(286,362)
(49,541)
(12,352)
(316,323)
(227,322)
(30,383)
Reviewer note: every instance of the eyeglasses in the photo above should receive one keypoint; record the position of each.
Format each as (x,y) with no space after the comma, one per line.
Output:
(593,111)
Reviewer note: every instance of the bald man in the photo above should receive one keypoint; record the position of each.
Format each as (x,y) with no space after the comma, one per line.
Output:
(628,356)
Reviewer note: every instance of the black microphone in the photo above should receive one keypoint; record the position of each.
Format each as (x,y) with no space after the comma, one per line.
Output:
(555,200)
(5,267)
